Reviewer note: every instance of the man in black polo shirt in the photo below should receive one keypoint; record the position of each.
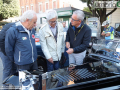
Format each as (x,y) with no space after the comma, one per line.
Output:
(77,38)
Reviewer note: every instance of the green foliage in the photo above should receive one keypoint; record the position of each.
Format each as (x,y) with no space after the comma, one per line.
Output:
(87,9)
(7,1)
(9,8)
(98,12)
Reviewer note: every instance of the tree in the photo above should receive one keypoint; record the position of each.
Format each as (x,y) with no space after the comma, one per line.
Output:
(9,8)
(87,9)
(99,12)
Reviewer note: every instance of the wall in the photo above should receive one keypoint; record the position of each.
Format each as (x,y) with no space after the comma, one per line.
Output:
(114,17)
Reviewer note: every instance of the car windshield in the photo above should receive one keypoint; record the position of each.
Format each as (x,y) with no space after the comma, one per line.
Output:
(109,48)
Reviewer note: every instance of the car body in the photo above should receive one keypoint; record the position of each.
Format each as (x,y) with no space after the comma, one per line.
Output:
(38,46)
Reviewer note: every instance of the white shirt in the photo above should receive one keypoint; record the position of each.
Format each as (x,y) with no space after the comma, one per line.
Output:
(53,29)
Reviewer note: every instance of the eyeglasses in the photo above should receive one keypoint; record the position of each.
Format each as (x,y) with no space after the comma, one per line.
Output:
(73,19)
(52,22)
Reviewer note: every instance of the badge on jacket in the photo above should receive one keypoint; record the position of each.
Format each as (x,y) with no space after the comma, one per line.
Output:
(33,36)
(24,38)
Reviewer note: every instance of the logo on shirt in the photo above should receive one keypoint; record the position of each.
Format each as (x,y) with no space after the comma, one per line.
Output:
(33,36)
(24,38)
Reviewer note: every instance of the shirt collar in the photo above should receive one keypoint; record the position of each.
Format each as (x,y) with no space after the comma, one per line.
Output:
(108,26)
(52,27)
(20,24)
(79,26)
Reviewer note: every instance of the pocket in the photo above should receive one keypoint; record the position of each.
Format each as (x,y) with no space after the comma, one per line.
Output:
(47,35)
(61,35)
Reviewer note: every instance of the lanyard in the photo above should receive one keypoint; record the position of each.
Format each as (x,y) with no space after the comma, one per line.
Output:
(55,35)
(78,32)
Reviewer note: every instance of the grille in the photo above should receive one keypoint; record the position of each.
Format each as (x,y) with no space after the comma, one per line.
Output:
(74,75)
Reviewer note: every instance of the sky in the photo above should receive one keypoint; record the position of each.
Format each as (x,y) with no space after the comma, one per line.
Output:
(77,4)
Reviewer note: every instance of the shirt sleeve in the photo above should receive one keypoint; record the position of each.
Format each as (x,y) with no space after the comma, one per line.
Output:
(104,30)
(111,30)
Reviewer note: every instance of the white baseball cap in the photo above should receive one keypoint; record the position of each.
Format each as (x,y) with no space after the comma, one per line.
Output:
(105,23)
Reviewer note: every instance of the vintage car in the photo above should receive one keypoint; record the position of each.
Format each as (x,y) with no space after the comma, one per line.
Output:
(100,71)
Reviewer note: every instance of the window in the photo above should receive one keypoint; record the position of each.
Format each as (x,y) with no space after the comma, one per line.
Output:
(117,25)
(46,6)
(63,5)
(32,7)
(27,8)
(26,1)
(22,10)
(54,4)
(40,7)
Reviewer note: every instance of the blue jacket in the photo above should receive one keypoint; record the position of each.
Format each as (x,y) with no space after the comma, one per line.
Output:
(82,38)
(20,46)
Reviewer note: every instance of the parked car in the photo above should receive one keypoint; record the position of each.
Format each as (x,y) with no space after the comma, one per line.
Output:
(95,26)
(38,46)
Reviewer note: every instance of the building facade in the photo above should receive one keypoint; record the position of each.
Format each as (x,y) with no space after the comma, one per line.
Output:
(40,6)
(114,18)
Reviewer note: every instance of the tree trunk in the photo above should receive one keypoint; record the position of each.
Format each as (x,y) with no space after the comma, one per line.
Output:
(94,12)
(102,19)
(1,17)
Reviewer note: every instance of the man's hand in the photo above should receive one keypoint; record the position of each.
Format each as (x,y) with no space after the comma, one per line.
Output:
(70,51)
(51,60)
(67,45)
(103,34)
(107,34)
(71,68)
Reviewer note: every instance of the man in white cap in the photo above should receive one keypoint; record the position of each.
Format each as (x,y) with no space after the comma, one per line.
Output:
(108,31)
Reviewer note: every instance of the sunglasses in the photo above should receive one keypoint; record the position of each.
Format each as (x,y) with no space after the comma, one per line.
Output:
(73,19)
(51,22)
